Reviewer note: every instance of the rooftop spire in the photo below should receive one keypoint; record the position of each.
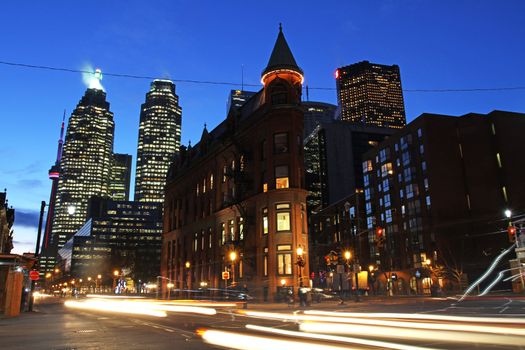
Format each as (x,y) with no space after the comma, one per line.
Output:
(281,57)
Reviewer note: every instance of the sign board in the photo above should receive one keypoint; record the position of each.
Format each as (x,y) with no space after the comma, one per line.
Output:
(225,275)
(34,275)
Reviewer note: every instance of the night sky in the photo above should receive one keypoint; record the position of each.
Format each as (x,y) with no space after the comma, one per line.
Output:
(437,44)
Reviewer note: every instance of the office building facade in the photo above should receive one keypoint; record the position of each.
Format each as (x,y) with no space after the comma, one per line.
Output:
(158,140)
(316,113)
(85,166)
(120,177)
(371,94)
(435,195)
(121,236)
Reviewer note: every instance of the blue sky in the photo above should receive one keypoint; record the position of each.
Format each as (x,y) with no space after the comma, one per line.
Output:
(437,44)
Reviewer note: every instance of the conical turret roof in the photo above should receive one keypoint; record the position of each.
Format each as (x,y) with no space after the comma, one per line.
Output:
(282,57)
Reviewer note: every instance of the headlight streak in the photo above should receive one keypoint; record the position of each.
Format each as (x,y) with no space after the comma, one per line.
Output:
(123,307)
(102,296)
(395,324)
(412,334)
(360,341)
(187,309)
(429,317)
(242,341)
(138,306)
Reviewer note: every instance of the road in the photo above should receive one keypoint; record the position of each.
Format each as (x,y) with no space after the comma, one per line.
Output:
(349,326)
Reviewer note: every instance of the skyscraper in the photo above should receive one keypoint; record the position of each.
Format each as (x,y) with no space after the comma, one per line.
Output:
(120,177)
(49,246)
(85,164)
(371,93)
(159,140)
(237,98)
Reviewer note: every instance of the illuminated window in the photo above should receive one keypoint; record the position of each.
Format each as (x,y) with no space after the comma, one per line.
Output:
(280,143)
(283,217)
(284,260)
(367,166)
(223,233)
(211,181)
(281,177)
(265,262)
(204,185)
(224,172)
(241,228)
(265,221)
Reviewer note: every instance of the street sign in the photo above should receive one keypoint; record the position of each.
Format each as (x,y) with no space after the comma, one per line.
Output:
(225,275)
(34,275)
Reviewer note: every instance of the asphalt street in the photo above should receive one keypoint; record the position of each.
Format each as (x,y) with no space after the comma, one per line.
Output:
(53,326)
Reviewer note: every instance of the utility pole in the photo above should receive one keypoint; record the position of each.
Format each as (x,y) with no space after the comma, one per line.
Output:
(37,251)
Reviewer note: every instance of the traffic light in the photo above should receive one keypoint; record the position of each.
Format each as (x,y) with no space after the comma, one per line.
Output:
(380,238)
(511,231)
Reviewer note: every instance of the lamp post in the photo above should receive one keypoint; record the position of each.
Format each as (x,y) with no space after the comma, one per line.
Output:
(233,257)
(169,285)
(37,251)
(300,264)
(187,272)
(347,255)
(98,283)
(116,273)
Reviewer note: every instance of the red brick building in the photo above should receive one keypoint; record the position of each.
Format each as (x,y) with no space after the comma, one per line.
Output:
(241,190)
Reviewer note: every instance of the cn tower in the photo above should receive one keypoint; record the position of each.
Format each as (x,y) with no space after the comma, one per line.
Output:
(49,245)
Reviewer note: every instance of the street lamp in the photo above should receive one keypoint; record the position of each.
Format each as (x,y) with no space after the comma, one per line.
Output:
(116,273)
(300,264)
(508,213)
(98,282)
(169,285)
(187,272)
(233,257)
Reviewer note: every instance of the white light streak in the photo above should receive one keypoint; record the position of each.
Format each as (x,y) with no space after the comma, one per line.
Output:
(412,334)
(254,342)
(360,341)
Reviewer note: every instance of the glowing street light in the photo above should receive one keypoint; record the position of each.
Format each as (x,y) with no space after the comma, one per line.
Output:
(508,213)
(233,257)
(348,255)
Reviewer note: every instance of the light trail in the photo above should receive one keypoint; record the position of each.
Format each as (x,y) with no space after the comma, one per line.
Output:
(411,334)
(376,343)
(187,309)
(122,307)
(487,273)
(395,324)
(138,306)
(242,341)
(104,296)
(428,317)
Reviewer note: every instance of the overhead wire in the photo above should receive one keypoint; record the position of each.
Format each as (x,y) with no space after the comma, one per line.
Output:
(211,82)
